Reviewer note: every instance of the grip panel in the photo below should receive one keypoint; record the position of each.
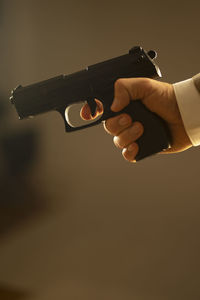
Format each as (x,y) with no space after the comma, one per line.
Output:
(156,136)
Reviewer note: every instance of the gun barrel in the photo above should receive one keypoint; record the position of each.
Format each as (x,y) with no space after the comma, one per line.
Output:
(37,98)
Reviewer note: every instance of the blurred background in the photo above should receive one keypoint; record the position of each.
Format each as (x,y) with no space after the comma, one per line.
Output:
(76,220)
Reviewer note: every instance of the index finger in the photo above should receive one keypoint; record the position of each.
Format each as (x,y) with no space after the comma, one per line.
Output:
(86,112)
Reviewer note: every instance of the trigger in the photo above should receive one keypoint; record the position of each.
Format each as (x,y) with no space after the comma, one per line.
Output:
(93,106)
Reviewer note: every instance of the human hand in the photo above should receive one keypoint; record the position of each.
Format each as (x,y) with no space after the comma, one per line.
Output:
(159,98)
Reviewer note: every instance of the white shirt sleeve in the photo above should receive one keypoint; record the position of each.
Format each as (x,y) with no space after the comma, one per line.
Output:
(188,99)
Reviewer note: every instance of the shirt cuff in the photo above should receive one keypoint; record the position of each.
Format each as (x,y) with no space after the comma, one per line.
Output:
(188,99)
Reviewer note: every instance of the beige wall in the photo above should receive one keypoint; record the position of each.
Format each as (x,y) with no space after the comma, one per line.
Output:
(111,230)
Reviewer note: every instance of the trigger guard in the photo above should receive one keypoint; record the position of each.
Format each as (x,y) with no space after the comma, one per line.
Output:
(64,113)
(69,127)
(66,117)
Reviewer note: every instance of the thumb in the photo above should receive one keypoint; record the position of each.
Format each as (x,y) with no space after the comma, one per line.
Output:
(127,89)
(121,96)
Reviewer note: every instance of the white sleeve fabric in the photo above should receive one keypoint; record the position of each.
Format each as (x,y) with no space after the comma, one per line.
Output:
(188,99)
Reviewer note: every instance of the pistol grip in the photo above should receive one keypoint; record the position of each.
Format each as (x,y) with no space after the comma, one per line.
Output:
(156,136)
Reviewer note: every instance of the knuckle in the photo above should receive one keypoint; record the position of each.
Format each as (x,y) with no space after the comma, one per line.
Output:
(116,142)
(129,154)
(121,141)
(136,130)
(146,83)
(124,120)
(111,126)
(106,128)
(146,80)
(129,135)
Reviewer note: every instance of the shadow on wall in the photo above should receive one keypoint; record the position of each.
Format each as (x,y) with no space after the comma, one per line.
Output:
(12,293)
(19,198)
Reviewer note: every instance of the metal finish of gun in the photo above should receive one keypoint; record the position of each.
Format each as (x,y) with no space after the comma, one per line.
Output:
(97,82)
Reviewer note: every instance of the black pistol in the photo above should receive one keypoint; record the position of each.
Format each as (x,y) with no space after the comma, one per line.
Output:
(97,82)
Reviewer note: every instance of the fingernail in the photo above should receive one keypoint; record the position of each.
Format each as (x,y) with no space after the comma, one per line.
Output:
(123,121)
(135,129)
(131,147)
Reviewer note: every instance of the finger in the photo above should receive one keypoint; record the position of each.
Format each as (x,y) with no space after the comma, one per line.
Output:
(129,135)
(127,89)
(130,152)
(117,124)
(86,112)
(121,96)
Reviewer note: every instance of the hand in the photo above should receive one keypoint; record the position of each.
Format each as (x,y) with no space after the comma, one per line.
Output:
(158,97)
